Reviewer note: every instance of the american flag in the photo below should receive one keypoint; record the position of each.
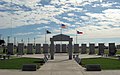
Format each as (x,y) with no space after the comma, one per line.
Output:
(63,26)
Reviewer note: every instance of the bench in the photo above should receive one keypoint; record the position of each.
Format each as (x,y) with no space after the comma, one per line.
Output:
(29,67)
(93,67)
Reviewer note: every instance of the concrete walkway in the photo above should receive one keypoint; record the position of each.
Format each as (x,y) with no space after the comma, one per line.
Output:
(61,66)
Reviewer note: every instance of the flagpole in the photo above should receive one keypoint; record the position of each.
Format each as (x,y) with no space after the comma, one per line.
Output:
(45,41)
(28,40)
(45,36)
(76,38)
(61,39)
(61,30)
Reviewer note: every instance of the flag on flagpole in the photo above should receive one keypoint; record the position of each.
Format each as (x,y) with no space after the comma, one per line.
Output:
(63,26)
(48,32)
(78,32)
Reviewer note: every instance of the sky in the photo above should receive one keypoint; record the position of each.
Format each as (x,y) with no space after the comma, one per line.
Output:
(99,20)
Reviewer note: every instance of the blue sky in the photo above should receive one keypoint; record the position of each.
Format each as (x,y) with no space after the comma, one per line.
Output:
(98,19)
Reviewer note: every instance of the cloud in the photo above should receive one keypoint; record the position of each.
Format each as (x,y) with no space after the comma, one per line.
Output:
(85,18)
(22,34)
(108,17)
(93,17)
(71,14)
(27,13)
(68,19)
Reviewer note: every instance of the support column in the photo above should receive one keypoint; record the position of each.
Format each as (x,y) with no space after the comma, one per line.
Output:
(57,48)
(20,49)
(38,49)
(92,48)
(83,49)
(101,48)
(10,48)
(45,49)
(52,49)
(64,48)
(70,49)
(112,49)
(76,48)
(30,48)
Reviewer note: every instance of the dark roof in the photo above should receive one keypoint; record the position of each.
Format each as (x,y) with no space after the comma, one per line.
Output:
(63,35)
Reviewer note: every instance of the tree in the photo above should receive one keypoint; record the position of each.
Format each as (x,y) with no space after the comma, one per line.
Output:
(2,42)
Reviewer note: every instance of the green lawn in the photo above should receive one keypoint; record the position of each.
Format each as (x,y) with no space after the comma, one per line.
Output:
(18,62)
(106,63)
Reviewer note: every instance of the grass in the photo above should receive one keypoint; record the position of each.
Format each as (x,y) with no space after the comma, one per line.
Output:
(18,62)
(106,63)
